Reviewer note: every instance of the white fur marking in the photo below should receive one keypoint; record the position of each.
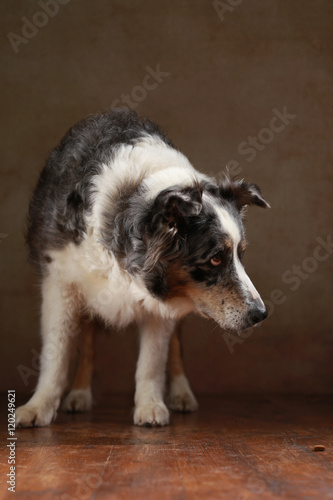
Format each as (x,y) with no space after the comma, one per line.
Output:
(247,283)
(58,327)
(150,373)
(231,227)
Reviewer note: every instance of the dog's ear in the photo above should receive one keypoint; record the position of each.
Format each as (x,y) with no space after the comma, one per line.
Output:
(163,239)
(174,205)
(242,194)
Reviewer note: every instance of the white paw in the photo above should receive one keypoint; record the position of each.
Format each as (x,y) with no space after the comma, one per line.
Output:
(181,397)
(151,414)
(78,400)
(34,415)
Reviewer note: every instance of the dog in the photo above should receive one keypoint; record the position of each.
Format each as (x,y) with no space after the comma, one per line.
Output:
(121,227)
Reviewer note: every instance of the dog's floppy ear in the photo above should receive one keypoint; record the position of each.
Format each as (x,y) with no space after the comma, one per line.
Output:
(173,205)
(164,242)
(242,193)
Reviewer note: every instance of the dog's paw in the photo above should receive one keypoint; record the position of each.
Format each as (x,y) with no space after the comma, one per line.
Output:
(151,414)
(183,402)
(34,416)
(181,397)
(78,400)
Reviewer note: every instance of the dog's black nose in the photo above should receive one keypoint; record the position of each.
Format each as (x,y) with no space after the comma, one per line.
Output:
(257,314)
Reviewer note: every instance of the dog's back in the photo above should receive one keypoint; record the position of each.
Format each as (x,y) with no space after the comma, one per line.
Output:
(63,196)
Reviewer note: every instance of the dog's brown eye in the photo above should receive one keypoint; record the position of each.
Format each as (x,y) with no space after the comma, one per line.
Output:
(216,260)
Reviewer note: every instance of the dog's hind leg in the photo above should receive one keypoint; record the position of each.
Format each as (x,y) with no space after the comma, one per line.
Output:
(181,397)
(80,396)
(60,307)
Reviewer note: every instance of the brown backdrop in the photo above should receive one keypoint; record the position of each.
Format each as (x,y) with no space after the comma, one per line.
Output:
(223,73)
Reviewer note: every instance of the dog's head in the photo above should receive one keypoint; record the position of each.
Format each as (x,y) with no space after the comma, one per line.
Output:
(188,242)
(194,240)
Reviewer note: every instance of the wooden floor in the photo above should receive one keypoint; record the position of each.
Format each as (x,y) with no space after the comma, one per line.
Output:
(234,448)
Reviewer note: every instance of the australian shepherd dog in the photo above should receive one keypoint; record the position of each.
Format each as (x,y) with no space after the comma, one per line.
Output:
(124,229)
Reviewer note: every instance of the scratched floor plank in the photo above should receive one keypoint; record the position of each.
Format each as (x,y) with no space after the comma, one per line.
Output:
(239,448)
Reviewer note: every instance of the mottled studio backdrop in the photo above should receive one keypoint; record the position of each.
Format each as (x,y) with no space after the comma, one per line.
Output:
(243,83)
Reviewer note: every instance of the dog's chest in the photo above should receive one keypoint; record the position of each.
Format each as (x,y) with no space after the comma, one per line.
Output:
(107,290)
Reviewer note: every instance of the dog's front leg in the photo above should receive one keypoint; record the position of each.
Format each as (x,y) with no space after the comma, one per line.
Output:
(150,373)
(58,327)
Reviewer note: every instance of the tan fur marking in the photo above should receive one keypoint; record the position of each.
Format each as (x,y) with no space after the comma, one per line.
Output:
(85,366)
(228,243)
(178,280)
(175,360)
(242,245)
